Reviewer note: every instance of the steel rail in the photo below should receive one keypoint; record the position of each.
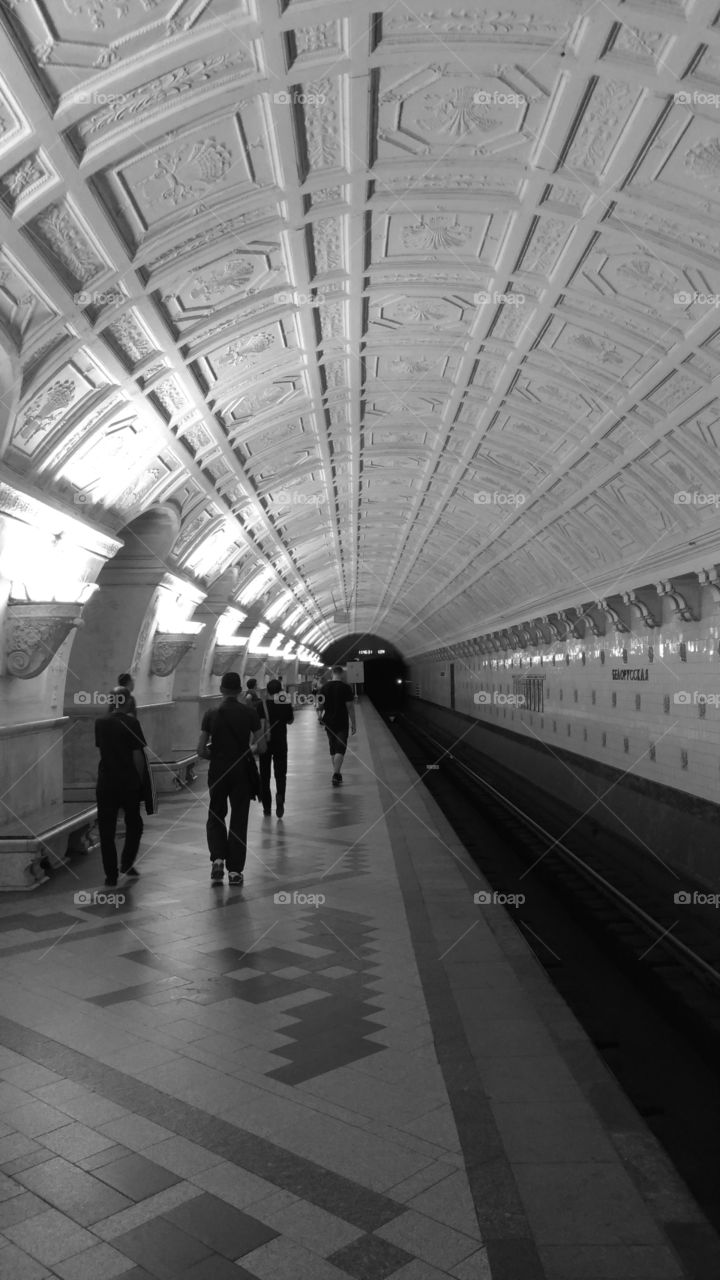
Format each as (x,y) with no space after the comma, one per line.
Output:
(583,867)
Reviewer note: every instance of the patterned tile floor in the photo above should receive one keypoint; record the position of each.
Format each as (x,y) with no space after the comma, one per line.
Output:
(281,1081)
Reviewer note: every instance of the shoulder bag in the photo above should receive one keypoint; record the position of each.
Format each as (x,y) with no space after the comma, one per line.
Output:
(248,759)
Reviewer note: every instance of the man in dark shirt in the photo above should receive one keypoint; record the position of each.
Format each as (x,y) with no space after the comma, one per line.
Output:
(126,682)
(226,735)
(280,715)
(120,740)
(339,717)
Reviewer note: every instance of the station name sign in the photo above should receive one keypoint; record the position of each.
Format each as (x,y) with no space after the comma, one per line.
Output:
(630,673)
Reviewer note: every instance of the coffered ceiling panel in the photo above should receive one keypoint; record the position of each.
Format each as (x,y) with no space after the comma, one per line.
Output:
(413,310)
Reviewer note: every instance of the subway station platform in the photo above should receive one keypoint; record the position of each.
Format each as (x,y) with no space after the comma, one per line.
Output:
(367,1076)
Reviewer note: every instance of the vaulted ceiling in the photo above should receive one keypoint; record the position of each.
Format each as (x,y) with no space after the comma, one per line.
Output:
(414,309)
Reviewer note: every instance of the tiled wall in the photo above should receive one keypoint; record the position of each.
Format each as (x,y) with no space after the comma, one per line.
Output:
(635,726)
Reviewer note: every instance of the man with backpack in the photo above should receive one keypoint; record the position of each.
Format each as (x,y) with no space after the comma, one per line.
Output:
(226,737)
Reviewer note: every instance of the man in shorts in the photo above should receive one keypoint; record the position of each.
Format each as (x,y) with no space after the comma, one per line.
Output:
(339,719)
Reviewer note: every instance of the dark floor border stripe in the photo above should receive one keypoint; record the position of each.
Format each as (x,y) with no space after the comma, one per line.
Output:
(504,1227)
(358,1205)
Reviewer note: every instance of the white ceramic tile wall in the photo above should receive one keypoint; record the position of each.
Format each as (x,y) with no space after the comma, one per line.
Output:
(676,743)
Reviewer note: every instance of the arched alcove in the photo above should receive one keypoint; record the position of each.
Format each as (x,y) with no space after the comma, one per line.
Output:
(120,621)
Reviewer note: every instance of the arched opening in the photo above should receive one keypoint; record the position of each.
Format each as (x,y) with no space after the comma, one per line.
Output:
(383,668)
(117,636)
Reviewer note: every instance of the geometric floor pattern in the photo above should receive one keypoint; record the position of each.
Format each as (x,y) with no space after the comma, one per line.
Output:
(205,1083)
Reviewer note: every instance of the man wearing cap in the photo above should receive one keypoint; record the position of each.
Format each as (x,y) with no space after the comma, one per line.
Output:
(226,736)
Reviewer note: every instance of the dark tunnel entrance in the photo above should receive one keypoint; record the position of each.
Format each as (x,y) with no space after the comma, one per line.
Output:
(384,669)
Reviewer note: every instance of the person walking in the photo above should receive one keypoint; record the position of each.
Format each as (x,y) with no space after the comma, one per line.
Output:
(121,773)
(339,717)
(226,737)
(280,714)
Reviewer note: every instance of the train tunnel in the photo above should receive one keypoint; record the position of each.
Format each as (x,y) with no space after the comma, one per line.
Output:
(379,338)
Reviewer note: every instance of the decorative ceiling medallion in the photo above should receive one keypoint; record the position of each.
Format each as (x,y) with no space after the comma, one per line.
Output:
(435,233)
(703,162)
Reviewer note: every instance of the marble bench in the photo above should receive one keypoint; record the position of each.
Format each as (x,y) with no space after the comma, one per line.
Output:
(176,773)
(35,843)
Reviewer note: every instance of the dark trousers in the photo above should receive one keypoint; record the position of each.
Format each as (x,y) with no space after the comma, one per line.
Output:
(111,798)
(230,846)
(275,758)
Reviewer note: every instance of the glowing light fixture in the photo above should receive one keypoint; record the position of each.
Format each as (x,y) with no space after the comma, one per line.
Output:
(228,625)
(255,641)
(177,599)
(256,586)
(293,617)
(279,606)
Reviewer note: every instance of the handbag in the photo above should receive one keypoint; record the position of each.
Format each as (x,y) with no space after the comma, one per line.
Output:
(253,774)
(265,730)
(148,788)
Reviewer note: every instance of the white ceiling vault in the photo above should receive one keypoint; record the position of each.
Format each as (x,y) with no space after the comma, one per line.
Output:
(413,308)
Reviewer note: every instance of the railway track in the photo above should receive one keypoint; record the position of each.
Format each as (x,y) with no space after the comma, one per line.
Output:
(643,980)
